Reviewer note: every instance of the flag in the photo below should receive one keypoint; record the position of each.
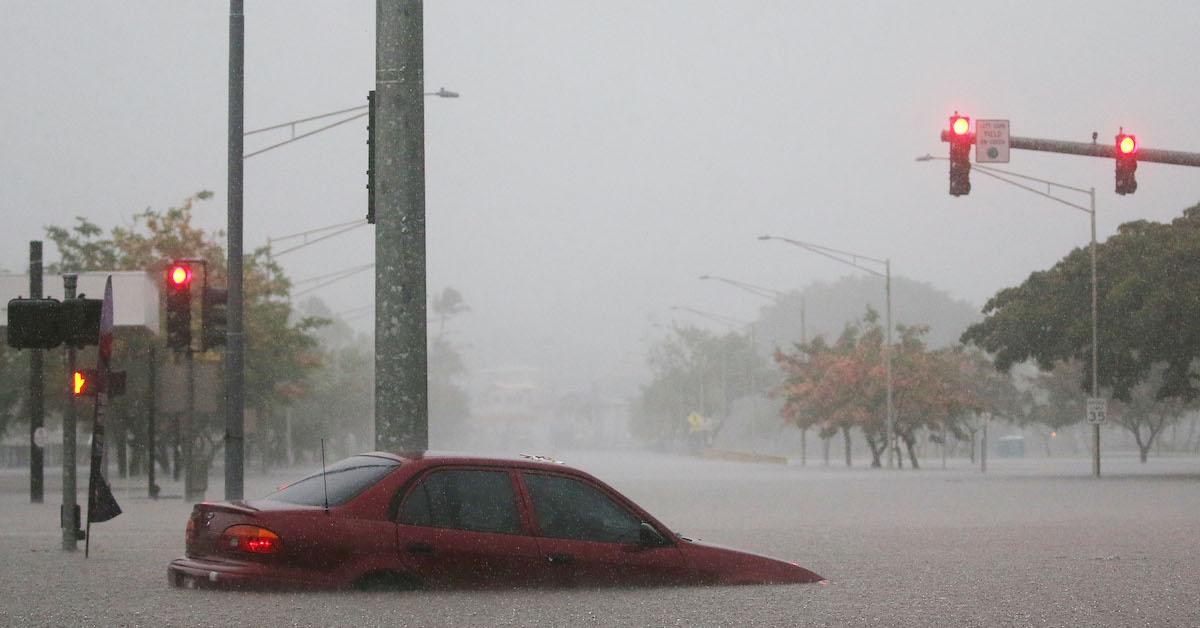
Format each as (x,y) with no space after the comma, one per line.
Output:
(102,506)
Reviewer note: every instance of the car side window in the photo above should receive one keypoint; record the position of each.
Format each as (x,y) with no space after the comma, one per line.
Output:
(463,499)
(567,508)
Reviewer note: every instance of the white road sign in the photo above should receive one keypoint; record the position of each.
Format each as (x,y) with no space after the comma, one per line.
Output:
(1097,410)
(991,141)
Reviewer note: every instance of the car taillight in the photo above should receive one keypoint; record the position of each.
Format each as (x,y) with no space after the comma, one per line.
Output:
(251,539)
(190,533)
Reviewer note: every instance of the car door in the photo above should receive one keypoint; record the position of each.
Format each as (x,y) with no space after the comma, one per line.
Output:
(587,538)
(461,527)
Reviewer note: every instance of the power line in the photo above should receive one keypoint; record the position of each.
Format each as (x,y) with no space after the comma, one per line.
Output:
(303,234)
(303,135)
(355,225)
(339,277)
(293,123)
(333,274)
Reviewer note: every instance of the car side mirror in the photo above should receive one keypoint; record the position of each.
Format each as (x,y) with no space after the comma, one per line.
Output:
(649,537)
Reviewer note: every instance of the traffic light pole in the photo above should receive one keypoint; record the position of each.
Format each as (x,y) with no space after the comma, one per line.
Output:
(401,368)
(191,491)
(1093,149)
(68,519)
(36,401)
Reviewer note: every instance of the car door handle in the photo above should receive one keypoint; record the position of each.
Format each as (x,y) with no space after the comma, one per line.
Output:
(419,547)
(560,559)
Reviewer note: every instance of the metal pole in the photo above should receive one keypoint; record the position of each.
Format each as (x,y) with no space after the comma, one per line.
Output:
(401,376)
(234,339)
(37,406)
(803,321)
(891,420)
(151,420)
(1095,341)
(987,418)
(188,436)
(803,340)
(70,508)
(1092,149)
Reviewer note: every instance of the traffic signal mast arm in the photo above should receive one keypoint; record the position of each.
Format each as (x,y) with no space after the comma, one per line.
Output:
(1092,149)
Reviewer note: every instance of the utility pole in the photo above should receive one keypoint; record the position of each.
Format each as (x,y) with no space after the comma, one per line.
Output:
(37,406)
(401,376)
(1095,337)
(235,340)
(69,514)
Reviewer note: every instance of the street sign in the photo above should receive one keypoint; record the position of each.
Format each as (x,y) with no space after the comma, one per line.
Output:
(1097,410)
(991,141)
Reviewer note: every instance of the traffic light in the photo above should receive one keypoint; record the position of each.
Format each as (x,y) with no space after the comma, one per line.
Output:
(83,383)
(179,306)
(960,155)
(81,322)
(34,323)
(1126,163)
(371,157)
(47,323)
(86,383)
(213,317)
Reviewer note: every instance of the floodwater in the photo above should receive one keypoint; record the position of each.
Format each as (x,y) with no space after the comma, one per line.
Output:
(1030,543)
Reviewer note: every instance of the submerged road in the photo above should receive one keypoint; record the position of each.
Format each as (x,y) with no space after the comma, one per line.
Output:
(1032,543)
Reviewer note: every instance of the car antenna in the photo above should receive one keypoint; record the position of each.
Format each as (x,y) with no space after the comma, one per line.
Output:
(324,481)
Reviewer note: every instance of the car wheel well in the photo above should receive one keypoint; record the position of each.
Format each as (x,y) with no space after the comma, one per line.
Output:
(386,580)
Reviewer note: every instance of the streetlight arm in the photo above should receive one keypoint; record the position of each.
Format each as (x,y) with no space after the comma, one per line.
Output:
(766,293)
(834,254)
(1039,192)
(724,320)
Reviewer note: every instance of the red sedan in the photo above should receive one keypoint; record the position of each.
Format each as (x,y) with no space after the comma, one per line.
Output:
(436,520)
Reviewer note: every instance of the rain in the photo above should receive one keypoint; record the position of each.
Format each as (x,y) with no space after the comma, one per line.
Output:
(734,261)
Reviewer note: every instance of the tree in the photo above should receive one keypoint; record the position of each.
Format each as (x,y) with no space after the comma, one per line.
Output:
(1149,284)
(838,387)
(843,386)
(446,305)
(280,350)
(695,370)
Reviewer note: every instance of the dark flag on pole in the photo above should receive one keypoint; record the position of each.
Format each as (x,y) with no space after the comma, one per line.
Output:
(102,506)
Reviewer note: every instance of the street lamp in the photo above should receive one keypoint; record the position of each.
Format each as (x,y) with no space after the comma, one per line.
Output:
(442,92)
(1090,210)
(766,293)
(853,259)
(773,295)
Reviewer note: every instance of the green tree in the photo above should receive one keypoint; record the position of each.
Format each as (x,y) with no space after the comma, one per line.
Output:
(695,370)
(1149,286)
(280,350)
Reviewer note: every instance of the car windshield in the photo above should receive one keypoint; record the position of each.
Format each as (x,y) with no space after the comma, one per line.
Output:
(343,480)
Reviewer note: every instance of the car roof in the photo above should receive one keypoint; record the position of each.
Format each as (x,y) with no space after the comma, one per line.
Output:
(431,458)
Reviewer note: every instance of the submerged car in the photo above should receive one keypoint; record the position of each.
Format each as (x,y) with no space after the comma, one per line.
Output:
(435,520)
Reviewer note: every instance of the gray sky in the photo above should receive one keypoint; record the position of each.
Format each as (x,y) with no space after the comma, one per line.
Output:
(604,155)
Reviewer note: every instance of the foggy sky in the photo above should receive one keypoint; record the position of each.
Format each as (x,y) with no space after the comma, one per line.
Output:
(604,155)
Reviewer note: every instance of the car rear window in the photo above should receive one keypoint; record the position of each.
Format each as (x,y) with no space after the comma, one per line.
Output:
(345,479)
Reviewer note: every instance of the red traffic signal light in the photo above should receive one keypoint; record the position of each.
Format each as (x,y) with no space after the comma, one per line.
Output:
(960,126)
(1126,144)
(1126,153)
(179,276)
